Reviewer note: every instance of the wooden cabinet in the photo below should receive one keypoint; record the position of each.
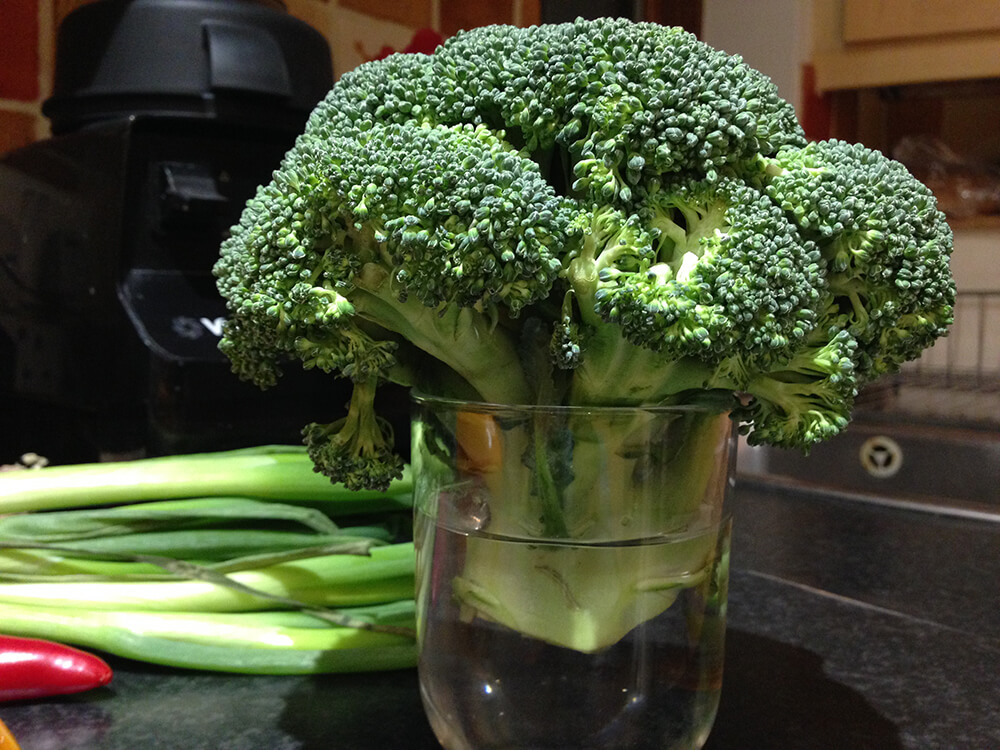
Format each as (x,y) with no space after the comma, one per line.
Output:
(875,43)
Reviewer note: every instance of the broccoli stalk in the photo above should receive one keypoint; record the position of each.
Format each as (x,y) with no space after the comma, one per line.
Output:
(634,474)
(599,213)
(461,338)
(581,597)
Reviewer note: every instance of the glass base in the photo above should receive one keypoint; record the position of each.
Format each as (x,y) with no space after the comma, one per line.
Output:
(485,685)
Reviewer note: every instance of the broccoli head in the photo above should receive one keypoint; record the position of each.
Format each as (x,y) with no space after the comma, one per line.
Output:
(885,244)
(645,205)
(727,272)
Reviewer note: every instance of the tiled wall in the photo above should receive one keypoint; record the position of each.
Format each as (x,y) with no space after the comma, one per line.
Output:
(356,29)
(20,72)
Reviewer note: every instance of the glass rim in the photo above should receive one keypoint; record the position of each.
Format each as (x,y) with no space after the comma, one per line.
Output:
(490,407)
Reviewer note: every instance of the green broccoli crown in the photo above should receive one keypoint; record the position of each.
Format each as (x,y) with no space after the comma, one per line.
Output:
(461,217)
(628,101)
(884,241)
(454,213)
(648,201)
(727,272)
(807,398)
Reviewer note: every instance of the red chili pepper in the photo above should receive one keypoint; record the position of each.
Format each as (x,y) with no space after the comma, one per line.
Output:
(34,668)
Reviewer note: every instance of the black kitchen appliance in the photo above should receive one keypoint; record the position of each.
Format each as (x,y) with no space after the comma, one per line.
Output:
(166,115)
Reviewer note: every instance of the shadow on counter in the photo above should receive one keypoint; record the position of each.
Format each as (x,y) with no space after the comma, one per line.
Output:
(774,697)
(358,712)
(777,697)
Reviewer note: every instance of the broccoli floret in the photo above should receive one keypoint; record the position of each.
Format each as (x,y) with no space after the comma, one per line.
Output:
(566,344)
(727,273)
(357,449)
(398,89)
(650,202)
(807,398)
(627,102)
(885,244)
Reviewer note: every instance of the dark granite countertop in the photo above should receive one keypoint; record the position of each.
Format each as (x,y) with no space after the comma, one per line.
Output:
(851,626)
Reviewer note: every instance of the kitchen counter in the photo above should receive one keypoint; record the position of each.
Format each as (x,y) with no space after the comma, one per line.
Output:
(851,626)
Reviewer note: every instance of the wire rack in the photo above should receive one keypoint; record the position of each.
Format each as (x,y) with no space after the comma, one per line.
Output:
(969,357)
(958,379)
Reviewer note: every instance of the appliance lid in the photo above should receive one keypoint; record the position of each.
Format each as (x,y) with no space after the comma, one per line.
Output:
(204,58)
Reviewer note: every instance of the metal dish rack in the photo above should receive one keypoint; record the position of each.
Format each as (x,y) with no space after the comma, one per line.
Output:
(957,381)
(927,439)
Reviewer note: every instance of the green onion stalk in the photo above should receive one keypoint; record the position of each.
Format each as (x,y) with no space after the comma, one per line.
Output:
(239,561)
(272,472)
(273,642)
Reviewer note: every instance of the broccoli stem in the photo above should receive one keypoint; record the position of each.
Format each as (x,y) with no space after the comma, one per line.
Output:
(585,598)
(465,340)
(614,371)
(546,566)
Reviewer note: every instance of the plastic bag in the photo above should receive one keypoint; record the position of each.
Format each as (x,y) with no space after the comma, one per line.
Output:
(963,187)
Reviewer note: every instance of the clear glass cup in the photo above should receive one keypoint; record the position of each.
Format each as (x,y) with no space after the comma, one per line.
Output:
(572,568)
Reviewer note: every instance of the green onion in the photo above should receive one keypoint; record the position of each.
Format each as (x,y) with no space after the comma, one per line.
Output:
(253,643)
(55,526)
(338,580)
(240,561)
(203,545)
(26,563)
(268,472)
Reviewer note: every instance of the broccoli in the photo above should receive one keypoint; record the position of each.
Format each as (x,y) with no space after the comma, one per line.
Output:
(599,212)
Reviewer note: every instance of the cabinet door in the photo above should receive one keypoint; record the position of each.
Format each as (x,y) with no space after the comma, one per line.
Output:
(873,43)
(882,20)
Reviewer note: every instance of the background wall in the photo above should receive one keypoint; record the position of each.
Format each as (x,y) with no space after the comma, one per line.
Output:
(774,39)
